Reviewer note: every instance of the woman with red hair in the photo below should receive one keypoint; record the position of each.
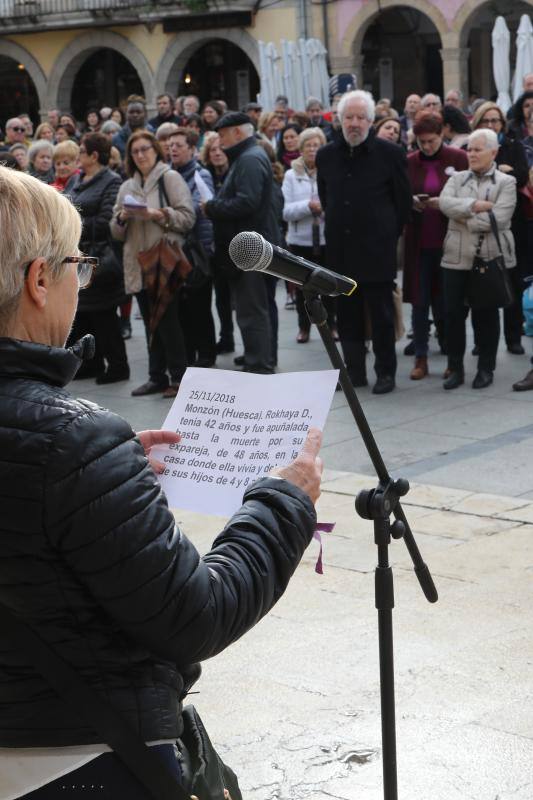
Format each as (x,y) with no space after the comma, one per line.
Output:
(429,168)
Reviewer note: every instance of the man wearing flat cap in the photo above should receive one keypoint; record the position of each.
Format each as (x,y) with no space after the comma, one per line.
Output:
(244,203)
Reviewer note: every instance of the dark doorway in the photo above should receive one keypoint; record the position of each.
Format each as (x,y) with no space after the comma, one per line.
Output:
(220,70)
(105,79)
(17,92)
(401,55)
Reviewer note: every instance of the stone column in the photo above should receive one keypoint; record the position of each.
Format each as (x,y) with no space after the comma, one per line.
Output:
(455,69)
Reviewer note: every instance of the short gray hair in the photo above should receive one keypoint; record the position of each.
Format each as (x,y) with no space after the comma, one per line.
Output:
(425,98)
(311,133)
(312,101)
(166,128)
(491,138)
(110,126)
(11,122)
(358,94)
(36,221)
(38,147)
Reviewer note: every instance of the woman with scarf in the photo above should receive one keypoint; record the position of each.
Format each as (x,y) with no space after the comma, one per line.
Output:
(288,149)
(429,168)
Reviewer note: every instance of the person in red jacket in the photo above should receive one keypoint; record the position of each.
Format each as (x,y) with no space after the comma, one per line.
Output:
(429,169)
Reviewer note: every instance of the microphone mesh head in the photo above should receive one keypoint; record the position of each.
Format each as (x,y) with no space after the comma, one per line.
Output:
(249,251)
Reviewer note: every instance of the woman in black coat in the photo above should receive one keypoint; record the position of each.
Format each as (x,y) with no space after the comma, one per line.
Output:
(92,558)
(94,193)
(511,160)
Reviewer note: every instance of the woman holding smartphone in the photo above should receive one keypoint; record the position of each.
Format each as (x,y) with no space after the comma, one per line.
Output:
(429,169)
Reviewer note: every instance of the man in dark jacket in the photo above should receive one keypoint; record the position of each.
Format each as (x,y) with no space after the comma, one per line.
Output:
(195,301)
(91,556)
(244,204)
(365,192)
(135,120)
(165,112)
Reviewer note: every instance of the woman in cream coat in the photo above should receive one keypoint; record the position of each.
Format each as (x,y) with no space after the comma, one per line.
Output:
(303,212)
(466,200)
(140,230)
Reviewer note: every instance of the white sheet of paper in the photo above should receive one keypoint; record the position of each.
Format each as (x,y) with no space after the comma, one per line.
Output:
(132,202)
(236,427)
(203,189)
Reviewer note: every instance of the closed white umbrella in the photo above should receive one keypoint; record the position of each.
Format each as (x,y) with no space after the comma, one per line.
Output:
(501,67)
(314,67)
(323,74)
(306,68)
(274,60)
(524,54)
(298,98)
(286,77)
(265,95)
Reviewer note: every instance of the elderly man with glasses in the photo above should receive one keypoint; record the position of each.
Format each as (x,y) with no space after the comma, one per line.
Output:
(15,133)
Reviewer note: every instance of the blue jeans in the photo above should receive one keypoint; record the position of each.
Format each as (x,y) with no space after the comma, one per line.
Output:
(105,778)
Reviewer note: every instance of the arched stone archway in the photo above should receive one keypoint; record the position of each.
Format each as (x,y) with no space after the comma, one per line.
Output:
(32,66)
(472,10)
(74,54)
(474,23)
(184,45)
(356,30)
(397,50)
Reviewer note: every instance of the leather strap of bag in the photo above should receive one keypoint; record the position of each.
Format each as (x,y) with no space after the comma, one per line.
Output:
(494,226)
(112,729)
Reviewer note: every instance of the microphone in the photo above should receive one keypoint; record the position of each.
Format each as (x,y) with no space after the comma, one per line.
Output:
(249,251)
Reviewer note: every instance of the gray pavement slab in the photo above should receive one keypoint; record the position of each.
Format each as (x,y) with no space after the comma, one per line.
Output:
(294,705)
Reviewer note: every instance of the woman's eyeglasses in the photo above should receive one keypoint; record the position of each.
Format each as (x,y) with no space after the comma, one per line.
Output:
(85,266)
(141,151)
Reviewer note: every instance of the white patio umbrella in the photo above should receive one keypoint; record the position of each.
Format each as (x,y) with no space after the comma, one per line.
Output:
(265,96)
(286,77)
(323,73)
(524,54)
(297,101)
(306,68)
(274,60)
(501,67)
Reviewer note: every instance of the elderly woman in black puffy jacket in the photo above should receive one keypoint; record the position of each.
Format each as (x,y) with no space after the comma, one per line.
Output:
(91,556)
(94,192)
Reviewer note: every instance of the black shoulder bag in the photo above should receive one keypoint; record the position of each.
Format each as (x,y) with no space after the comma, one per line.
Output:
(489,285)
(205,774)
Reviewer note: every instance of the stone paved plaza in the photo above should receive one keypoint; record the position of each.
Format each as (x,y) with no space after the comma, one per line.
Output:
(294,706)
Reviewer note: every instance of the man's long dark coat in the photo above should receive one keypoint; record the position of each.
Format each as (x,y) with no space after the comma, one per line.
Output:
(367,199)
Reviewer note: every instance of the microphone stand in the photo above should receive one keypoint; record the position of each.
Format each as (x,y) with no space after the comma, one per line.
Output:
(376,504)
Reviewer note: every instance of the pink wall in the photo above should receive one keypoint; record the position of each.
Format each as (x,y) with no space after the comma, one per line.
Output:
(347,10)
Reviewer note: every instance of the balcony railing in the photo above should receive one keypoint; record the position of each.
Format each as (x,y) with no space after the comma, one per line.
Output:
(21,15)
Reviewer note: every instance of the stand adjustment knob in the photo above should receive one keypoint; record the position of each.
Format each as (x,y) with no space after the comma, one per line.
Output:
(397,529)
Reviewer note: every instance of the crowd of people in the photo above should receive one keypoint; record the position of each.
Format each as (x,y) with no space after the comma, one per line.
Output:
(358,187)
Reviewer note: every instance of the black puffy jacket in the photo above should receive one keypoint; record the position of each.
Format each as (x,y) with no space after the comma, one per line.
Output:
(91,558)
(95,199)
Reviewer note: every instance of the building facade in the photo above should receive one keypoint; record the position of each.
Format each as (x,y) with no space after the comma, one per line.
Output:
(74,54)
